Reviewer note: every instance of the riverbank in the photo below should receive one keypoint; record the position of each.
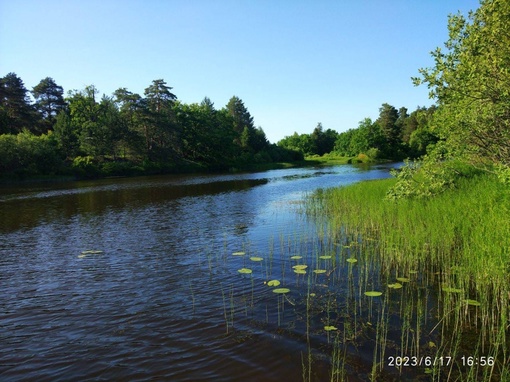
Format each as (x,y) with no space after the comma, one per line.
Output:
(457,245)
(90,169)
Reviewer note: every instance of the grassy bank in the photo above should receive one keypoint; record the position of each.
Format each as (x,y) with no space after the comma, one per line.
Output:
(454,249)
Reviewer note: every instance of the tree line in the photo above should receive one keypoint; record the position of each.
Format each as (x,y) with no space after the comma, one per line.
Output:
(394,135)
(90,135)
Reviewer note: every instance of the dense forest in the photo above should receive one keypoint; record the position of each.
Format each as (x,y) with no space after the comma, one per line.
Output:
(395,135)
(44,133)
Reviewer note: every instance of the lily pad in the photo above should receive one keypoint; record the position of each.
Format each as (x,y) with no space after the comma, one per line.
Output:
(256,258)
(352,260)
(330,328)
(300,271)
(403,279)
(319,271)
(395,286)
(373,293)
(325,257)
(281,290)
(300,266)
(245,271)
(296,257)
(273,283)
(240,253)
(91,252)
(472,302)
(451,290)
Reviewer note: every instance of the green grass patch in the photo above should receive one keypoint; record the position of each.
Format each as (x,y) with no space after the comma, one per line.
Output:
(457,244)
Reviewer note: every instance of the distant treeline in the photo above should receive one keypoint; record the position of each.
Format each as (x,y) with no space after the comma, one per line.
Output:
(395,135)
(125,133)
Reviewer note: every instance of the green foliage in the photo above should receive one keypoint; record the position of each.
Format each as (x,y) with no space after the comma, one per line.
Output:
(85,167)
(125,134)
(49,101)
(26,154)
(436,173)
(16,112)
(471,82)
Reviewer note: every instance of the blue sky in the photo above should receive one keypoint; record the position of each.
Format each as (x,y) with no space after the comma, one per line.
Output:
(293,63)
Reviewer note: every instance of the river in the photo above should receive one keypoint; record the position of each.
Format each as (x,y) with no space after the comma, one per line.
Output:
(134,278)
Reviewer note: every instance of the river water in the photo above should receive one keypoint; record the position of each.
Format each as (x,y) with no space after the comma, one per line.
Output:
(158,295)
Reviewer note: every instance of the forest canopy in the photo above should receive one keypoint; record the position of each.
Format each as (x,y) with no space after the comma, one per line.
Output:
(89,135)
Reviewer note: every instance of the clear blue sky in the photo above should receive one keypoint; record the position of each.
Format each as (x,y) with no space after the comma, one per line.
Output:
(293,63)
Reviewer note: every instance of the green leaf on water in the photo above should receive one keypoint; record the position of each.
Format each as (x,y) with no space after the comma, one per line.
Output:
(91,252)
(352,260)
(319,271)
(281,290)
(273,283)
(472,302)
(373,293)
(296,257)
(256,258)
(325,257)
(300,266)
(403,279)
(300,271)
(395,286)
(240,253)
(245,271)
(330,328)
(451,290)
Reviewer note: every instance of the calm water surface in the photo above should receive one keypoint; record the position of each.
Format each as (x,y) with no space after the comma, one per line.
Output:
(164,299)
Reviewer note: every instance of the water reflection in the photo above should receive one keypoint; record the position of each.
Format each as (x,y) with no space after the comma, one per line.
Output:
(152,304)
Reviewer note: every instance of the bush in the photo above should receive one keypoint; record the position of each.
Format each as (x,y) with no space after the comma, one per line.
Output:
(85,167)
(28,154)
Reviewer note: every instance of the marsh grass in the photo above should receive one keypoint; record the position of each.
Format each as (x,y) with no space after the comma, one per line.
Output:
(455,246)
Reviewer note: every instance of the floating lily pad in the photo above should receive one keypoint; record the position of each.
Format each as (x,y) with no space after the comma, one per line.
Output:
(245,271)
(300,266)
(352,260)
(281,290)
(373,293)
(330,328)
(451,290)
(312,294)
(273,283)
(472,302)
(240,253)
(319,271)
(395,286)
(296,257)
(91,252)
(325,257)
(256,258)
(403,279)
(300,271)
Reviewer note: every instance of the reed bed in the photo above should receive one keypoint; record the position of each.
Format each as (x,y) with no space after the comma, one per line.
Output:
(451,255)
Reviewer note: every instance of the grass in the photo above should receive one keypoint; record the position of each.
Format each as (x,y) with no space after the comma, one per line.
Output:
(456,245)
